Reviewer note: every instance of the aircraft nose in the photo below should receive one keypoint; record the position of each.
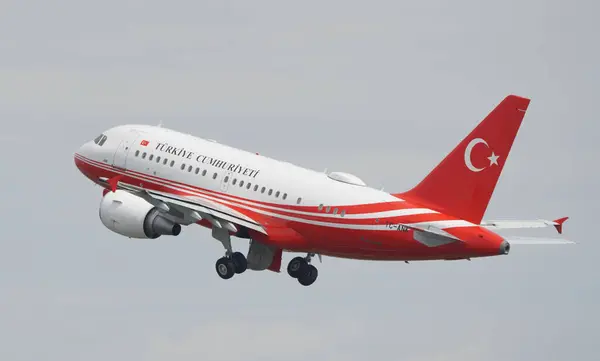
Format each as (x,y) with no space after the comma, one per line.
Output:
(80,156)
(77,157)
(80,152)
(504,247)
(84,150)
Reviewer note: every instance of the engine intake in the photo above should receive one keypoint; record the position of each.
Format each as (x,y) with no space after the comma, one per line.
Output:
(131,216)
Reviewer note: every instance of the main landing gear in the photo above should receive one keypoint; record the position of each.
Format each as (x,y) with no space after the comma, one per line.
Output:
(233,262)
(301,269)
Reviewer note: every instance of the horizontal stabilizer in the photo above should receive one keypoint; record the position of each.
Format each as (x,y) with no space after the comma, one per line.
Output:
(537,223)
(537,240)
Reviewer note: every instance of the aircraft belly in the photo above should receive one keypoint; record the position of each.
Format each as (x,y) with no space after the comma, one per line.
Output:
(375,245)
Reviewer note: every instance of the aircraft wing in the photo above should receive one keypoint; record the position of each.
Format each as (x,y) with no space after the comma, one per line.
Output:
(538,223)
(191,209)
(432,236)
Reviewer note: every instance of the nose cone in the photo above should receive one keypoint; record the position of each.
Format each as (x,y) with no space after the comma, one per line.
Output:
(80,157)
(504,247)
(86,151)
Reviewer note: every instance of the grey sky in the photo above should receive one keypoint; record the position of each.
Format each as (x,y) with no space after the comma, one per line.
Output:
(382,90)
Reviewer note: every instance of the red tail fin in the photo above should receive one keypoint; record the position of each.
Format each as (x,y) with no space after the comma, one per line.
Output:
(463,183)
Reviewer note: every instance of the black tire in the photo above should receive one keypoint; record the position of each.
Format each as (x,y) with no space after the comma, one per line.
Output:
(309,276)
(297,267)
(225,268)
(239,261)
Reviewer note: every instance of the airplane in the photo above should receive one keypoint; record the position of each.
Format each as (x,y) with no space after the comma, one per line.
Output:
(156,180)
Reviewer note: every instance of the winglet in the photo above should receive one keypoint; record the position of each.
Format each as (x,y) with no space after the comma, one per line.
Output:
(112,182)
(558,224)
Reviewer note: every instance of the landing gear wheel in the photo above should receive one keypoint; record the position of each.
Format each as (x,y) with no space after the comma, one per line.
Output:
(225,268)
(296,267)
(239,261)
(309,276)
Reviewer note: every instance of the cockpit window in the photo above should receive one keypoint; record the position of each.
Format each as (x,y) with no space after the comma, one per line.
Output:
(100,139)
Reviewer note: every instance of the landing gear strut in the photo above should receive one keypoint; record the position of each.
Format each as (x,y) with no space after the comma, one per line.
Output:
(301,269)
(232,262)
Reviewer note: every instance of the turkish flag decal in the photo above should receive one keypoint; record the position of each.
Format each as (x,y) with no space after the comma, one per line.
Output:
(144,142)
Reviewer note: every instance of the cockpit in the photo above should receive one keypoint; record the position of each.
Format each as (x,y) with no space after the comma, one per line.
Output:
(100,139)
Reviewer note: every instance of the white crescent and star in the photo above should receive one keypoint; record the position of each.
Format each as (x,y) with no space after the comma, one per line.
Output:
(492,158)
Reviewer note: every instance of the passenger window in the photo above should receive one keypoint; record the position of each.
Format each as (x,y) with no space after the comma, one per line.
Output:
(151,156)
(270,191)
(241,183)
(144,155)
(172,163)
(182,166)
(299,200)
(190,168)
(158,159)
(263,190)
(137,153)
(335,210)
(204,172)
(256,187)
(215,176)
(226,178)
(234,180)
(321,206)
(284,195)
(248,185)
(277,194)
(197,170)
(343,213)
(327,209)
(165,161)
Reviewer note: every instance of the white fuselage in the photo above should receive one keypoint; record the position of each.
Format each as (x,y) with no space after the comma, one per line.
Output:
(195,161)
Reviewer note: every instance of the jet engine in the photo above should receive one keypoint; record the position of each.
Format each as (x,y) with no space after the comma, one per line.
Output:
(134,217)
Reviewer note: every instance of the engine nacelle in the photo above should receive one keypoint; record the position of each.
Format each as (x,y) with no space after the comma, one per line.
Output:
(132,216)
